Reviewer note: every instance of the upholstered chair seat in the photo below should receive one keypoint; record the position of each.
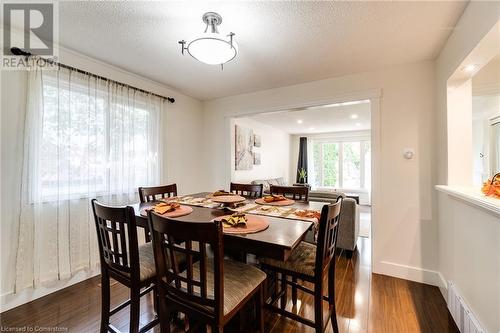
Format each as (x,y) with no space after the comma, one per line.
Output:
(147,260)
(239,281)
(302,260)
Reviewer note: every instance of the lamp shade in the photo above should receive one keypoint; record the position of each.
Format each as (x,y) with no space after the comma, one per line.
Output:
(210,49)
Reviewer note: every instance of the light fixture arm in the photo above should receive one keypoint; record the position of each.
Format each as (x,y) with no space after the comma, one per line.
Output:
(183,46)
(231,35)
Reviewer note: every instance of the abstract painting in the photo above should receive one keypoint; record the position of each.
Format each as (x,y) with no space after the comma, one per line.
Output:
(256,140)
(243,148)
(256,158)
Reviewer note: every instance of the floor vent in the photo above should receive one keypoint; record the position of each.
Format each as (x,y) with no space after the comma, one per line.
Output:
(461,313)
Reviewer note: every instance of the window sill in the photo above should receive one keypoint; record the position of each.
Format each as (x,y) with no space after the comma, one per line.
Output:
(472,196)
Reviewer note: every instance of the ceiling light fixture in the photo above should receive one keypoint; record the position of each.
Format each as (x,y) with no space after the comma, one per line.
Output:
(299,121)
(210,47)
(470,68)
(354,116)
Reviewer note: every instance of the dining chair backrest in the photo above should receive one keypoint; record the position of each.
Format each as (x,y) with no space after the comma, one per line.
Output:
(172,238)
(147,194)
(117,238)
(293,192)
(247,190)
(327,235)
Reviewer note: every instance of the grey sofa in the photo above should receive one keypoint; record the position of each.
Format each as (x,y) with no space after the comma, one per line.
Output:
(268,182)
(349,215)
(349,219)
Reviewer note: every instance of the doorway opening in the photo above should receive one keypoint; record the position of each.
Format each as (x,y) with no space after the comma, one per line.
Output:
(335,143)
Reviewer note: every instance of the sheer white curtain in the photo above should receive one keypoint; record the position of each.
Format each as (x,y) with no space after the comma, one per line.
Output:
(84,138)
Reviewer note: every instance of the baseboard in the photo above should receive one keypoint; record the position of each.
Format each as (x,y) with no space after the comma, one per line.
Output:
(411,273)
(11,300)
(443,287)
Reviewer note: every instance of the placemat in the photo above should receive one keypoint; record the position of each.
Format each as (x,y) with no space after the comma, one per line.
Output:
(192,201)
(181,211)
(255,224)
(276,211)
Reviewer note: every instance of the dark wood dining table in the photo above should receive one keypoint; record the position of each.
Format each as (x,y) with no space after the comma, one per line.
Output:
(276,242)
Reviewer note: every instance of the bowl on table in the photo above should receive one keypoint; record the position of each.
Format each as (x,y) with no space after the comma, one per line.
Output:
(228,199)
(275,200)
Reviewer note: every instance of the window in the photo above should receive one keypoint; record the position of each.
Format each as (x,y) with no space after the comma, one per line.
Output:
(351,165)
(341,164)
(330,164)
(94,138)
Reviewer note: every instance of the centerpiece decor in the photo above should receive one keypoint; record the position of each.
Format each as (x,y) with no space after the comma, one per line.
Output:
(491,187)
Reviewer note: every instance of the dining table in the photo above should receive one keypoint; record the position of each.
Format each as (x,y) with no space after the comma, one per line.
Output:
(276,242)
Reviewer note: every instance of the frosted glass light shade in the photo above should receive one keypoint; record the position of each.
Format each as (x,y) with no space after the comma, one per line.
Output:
(210,49)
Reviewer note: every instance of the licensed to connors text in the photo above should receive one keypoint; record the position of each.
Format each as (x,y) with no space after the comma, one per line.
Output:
(33,329)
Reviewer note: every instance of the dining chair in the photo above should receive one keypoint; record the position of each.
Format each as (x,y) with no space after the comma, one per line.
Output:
(247,190)
(311,263)
(125,261)
(210,290)
(293,192)
(148,194)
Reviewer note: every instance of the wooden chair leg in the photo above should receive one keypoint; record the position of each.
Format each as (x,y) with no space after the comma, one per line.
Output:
(164,315)
(348,254)
(243,320)
(275,280)
(203,328)
(105,300)
(285,289)
(260,309)
(217,329)
(135,302)
(331,297)
(318,307)
(294,292)
(156,300)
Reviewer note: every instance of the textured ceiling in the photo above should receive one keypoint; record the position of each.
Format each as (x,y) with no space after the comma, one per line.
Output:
(280,43)
(320,120)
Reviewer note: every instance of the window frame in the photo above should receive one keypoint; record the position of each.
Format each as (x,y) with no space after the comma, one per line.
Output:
(340,141)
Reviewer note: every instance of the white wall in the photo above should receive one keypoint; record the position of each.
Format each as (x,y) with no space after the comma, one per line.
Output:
(274,152)
(182,135)
(459,132)
(405,240)
(468,237)
(469,252)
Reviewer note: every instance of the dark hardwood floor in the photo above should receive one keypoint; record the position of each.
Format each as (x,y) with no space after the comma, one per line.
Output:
(365,303)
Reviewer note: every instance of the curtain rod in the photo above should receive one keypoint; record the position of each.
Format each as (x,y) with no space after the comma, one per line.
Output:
(18,52)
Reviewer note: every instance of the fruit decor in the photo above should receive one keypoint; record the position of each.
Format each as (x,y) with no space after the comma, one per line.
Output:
(491,187)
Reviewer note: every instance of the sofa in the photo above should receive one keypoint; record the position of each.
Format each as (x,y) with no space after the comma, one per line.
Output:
(270,181)
(349,214)
(349,219)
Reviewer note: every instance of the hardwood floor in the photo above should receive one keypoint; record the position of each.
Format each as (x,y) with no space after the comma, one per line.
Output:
(365,303)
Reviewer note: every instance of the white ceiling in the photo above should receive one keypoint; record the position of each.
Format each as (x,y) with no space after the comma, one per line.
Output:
(487,80)
(319,120)
(280,42)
